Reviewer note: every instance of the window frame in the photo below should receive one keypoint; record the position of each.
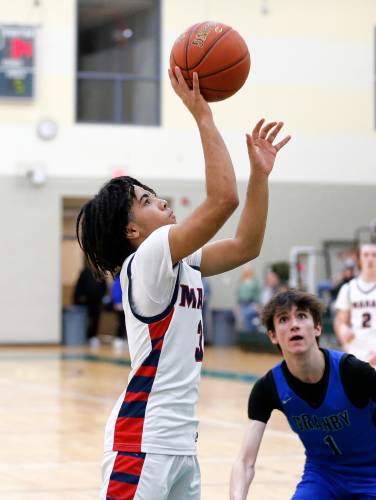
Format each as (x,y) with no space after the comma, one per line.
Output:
(119,78)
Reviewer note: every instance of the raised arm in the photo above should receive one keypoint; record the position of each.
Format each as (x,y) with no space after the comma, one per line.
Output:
(221,192)
(243,469)
(224,255)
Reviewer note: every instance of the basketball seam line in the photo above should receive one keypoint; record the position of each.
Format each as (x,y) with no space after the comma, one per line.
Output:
(224,68)
(188,43)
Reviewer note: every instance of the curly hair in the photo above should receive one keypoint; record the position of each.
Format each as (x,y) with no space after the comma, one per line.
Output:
(101,225)
(283,301)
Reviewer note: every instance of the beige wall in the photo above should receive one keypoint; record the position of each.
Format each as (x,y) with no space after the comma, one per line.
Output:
(312,66)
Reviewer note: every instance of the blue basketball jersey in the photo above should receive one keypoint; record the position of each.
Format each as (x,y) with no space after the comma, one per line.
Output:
(337,433)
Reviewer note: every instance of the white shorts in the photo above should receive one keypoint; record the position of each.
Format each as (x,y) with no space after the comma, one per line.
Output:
(363,344)
(148,476)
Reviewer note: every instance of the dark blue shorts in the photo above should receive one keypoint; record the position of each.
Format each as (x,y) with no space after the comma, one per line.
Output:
(330,485)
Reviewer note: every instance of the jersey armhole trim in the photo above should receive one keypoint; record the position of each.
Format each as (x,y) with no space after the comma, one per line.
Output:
(196,268)
(151,319)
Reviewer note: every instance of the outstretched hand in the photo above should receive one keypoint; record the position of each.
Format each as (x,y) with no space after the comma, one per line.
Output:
(261,150)
(192,99)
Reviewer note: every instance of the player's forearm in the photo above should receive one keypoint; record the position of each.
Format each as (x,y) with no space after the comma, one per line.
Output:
(251,228)
(343,330)
(241,477)
(336,326)
(220,176)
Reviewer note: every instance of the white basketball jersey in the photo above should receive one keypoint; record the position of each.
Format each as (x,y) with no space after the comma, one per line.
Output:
(156,412)
(360,298)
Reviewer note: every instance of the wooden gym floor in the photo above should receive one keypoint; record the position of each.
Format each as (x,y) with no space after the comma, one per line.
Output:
(55,402)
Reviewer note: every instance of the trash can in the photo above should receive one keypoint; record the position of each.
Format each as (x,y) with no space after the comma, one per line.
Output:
(74,325)
(223,327)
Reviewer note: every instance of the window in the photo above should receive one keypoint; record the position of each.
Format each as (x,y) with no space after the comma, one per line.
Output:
(118,79)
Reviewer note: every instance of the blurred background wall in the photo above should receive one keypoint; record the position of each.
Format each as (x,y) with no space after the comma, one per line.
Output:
(85,96)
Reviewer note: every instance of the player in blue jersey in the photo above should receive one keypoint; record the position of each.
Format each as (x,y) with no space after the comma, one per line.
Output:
(329,399)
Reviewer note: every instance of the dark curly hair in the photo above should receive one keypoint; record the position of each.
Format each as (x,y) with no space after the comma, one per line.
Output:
(283,301)
(101,225)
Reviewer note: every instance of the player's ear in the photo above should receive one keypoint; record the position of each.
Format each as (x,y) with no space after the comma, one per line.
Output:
(318,330)
(272,336)
(132,231)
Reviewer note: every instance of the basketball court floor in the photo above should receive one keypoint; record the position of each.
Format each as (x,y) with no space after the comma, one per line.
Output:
(55,402)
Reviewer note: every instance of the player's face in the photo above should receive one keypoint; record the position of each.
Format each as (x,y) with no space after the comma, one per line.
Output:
(150,212)
(295,331)
(367,258)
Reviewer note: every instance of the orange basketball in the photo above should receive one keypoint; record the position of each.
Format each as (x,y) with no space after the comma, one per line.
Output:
(217,53)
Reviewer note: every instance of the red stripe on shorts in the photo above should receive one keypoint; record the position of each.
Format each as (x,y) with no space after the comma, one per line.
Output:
(129,465)
(121,491)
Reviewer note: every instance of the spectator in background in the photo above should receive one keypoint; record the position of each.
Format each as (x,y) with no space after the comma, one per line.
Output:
(248,299)
(117,301)
(89,292)
(272,285)
(348,273)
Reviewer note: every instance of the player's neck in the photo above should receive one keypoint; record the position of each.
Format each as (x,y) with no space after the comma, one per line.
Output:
(368,277)
(308,367)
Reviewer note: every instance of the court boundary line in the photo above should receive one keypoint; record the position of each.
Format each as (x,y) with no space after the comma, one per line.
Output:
(94,358)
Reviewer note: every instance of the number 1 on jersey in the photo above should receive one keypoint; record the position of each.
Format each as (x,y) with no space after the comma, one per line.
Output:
(199,354)
(332,445)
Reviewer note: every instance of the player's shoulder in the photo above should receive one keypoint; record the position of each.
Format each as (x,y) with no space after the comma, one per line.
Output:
(264,384)
(351,365)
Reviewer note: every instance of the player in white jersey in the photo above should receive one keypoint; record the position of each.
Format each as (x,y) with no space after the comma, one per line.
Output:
(150,438)
(355,322)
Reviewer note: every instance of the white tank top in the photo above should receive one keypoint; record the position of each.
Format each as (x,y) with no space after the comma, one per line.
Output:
(360,298)
(156,413)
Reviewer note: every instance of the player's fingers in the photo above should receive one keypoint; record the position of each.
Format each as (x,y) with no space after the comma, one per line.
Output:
(196,83)
(282,143)
(274,132)
(249,140)
(180,78)
(266,129)
(173,79)
(256,130)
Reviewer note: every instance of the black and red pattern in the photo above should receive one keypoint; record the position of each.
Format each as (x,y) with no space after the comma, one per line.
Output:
(130,420)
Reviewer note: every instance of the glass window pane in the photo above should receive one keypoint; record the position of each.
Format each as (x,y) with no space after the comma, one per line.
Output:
(140,103)
(95,101)
(120,36)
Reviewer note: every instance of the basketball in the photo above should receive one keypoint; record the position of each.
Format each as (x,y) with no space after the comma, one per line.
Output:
(217,53)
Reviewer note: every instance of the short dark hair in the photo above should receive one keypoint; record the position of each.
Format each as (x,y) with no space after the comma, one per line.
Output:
(283,301)
(101,225)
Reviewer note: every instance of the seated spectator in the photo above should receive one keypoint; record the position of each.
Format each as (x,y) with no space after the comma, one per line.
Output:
(89,292)
(248,299)
(272,285)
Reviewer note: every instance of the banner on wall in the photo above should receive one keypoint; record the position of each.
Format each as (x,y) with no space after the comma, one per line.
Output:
(17,61)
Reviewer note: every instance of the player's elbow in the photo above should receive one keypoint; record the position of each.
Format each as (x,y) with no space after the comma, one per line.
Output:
(228,203)
(248,252)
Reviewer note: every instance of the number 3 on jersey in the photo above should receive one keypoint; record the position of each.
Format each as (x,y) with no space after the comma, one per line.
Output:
(199,354)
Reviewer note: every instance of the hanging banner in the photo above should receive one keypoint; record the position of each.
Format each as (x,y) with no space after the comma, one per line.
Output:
(16,61)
